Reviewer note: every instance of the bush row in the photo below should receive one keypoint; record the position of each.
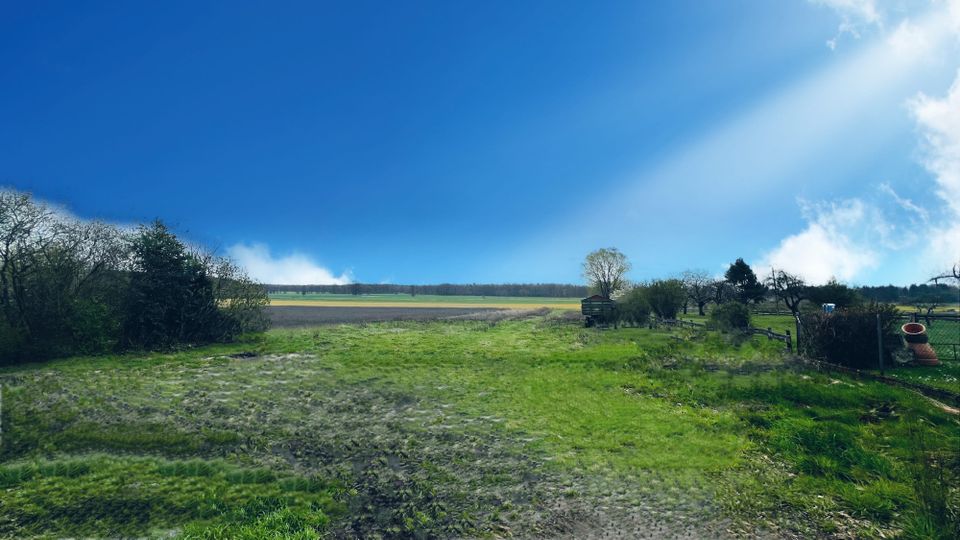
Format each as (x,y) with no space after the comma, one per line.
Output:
(73,287)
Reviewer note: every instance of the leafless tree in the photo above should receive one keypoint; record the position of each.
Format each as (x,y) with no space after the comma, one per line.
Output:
(21,224)
(605,270)
(48,262)
(953,273)
(699,287)
(237,296)
(722,291)
(789,288)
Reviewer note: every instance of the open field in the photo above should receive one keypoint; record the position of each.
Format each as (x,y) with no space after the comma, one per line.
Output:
(421,301)
(292,316)
(528,428)
(946,309)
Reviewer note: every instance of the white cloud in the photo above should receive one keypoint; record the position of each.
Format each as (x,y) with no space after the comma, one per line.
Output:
(62,214)
(837,243)
(293,269)
(905,203)
(953,14)
(857,11)
(910,40)
(844,240)
(939,121)
(855,15)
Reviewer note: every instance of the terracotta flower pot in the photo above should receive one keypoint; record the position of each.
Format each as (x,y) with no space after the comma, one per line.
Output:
(915,333)
(923,354)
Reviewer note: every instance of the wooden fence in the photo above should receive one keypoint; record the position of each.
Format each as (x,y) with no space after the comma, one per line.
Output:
(787,339)
(929,391)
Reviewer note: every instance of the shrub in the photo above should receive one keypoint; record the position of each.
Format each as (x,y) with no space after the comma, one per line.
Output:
(848,336)
(633,308)
(730,316)
(74,287)
(833,292)
(666,297)
(178,297)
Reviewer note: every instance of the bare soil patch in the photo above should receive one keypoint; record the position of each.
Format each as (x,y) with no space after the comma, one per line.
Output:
(301,316)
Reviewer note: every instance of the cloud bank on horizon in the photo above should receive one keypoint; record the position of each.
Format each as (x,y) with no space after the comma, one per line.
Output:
(292,269)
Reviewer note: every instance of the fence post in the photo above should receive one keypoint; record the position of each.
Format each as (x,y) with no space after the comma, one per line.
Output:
(789,342)
(799,329)
(879,345)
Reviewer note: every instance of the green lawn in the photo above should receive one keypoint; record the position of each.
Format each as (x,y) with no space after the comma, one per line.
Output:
(531,427)
(945,376)
(778,323)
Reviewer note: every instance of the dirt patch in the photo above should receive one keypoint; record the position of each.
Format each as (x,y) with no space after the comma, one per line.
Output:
(301,316)
(503,315)
(409,464)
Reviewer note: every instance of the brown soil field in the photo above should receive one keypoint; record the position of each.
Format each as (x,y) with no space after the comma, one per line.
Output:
(300,316)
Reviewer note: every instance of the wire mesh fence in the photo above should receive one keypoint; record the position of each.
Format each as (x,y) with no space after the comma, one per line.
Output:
(943,332)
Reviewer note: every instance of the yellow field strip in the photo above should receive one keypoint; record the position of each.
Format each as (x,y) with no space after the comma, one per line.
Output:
(412,305)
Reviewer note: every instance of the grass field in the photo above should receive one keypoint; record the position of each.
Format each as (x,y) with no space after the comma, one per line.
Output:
(425,301)
(946,376)
(533,427)
(777,323)
(946,309)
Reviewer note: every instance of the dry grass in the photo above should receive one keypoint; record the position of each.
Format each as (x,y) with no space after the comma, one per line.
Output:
(503,315)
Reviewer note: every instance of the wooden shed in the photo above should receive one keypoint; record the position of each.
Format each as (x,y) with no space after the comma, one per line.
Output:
(597,309)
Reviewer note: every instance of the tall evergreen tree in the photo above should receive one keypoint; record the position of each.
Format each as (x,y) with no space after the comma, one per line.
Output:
(744,281)
(170,299)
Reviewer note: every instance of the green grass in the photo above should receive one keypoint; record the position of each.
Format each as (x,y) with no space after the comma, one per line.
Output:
(468,428)
(97,495)
(778,323)
(945,376)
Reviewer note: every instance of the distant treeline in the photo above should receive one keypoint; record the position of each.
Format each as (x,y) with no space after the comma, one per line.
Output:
(912,295)
(560,290)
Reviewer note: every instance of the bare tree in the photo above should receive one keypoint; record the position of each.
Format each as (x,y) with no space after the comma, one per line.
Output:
(22,223)
(722,291)
(605,270)
(789,288)
(953,273)
(699,287)
(927,305)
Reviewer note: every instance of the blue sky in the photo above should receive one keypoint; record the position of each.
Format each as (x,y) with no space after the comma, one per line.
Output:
(420,142)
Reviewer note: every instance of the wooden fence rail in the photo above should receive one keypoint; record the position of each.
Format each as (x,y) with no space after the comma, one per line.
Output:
(787,339)
(929,391)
